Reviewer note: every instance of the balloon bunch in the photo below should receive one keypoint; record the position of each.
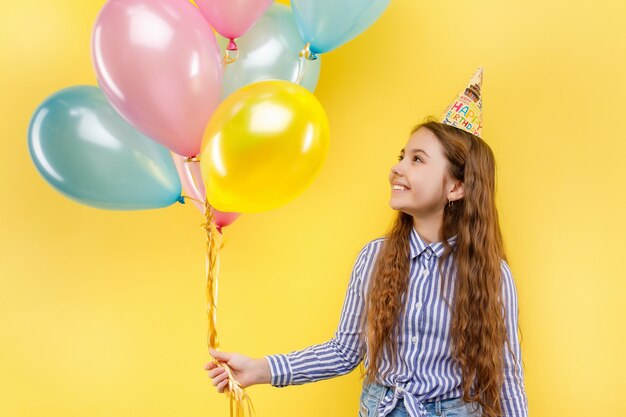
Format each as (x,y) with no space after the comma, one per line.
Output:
(240,132)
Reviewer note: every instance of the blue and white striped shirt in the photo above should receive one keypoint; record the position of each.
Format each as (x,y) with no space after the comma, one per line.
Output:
(425,368)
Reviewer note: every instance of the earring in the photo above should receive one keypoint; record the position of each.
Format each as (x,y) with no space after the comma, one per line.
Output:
(449,202)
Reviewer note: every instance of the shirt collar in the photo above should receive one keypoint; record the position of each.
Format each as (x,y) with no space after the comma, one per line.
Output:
(420,247)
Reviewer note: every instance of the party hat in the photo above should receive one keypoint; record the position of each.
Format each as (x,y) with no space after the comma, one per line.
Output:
(465,112)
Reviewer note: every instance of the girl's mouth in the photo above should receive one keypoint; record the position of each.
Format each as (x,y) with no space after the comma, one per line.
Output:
(398,188)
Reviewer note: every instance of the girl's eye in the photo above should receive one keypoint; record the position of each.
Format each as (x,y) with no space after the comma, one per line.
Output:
(416,157)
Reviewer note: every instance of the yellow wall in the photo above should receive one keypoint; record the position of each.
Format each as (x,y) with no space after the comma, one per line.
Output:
(102,313)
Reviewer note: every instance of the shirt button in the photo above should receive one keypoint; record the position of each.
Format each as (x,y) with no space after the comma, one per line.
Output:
(418,305)
(424,272)
(414,339)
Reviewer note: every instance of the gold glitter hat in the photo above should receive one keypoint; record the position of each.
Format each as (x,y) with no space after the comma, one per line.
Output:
(466,110)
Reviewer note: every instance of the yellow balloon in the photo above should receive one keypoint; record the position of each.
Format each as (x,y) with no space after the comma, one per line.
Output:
(264,145)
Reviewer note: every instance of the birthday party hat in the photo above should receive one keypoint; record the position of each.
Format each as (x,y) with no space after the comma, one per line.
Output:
(465,112)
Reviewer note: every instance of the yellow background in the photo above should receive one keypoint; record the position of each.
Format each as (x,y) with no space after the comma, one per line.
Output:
(102,313)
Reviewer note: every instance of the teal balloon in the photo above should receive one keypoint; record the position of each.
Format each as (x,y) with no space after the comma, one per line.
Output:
(327,24)
(89,153)
(269,50)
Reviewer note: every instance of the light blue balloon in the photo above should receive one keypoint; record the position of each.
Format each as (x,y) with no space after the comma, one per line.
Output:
(89,153)
(269,50)
(326,24)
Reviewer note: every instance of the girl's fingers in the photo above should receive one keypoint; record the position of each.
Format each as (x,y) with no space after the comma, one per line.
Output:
(220,378)
(221,385)
(215,372)
(218,375)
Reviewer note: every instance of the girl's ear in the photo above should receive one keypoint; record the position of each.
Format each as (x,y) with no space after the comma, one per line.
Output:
(457,192)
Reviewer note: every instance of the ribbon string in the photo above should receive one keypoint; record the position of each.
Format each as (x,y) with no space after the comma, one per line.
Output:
(214,243)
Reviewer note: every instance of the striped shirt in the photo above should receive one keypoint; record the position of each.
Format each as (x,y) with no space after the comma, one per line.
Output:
(425,368)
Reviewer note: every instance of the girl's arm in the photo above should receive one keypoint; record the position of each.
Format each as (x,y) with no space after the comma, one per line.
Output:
(513,394)
(339,355)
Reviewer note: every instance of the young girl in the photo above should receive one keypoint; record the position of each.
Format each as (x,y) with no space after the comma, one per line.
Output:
(431,307)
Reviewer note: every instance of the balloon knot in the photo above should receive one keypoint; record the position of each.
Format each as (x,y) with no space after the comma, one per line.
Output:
(307,53)
(232,46)
(181,199)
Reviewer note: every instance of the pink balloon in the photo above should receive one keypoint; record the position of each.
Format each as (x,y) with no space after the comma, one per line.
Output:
(159,65)
(224,218)
(191,180)
(232,18)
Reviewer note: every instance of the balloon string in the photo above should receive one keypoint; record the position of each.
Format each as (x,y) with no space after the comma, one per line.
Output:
(192,176)
(305,56)
(186,174)
(228,59)
(190,168)
(191,198)
(301,67)
(233,390)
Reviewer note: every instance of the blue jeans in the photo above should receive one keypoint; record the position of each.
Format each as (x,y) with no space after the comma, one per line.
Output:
(372,395)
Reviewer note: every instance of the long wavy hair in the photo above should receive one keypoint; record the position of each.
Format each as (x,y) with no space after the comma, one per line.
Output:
(478,332)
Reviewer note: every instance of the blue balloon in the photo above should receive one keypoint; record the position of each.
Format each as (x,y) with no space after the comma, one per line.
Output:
(326,24)
(89,153)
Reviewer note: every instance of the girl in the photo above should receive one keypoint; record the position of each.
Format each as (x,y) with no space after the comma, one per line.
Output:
(431,307)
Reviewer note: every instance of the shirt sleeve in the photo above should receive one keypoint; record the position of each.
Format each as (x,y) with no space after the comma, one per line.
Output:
(513,395)
(339,355)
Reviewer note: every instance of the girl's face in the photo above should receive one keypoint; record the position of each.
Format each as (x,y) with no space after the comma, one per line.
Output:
(422,168)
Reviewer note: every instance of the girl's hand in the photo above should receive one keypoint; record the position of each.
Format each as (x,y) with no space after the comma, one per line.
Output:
(246,370)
